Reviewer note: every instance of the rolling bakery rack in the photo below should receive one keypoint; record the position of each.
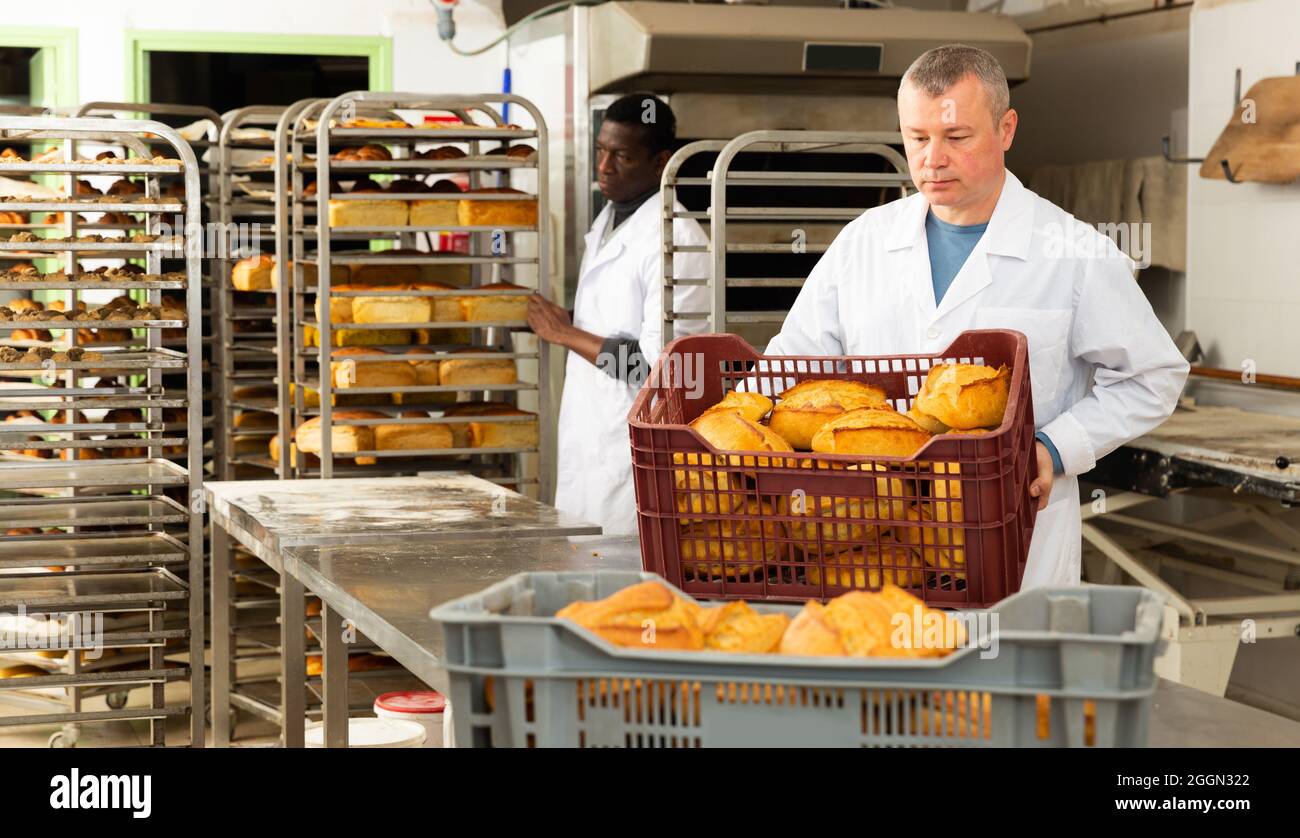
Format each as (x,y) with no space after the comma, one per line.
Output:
(773,202)
(103,549)
(201,134)
(495,253)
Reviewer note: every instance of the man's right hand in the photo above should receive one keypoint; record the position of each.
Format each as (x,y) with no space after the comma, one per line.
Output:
(547,320)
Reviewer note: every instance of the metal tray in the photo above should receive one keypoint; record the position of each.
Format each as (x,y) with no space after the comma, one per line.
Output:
(92,590)
(91,549)
(132,472)
(90,512)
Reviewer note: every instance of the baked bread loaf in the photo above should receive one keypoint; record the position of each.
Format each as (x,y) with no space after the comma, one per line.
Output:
(426,375)
(477,371)
(892,563)
(496,307)
(735,549)
(256,273)
(736,627)
(807,406)
(872,432)
(442,309)
(367,213)
(861,624)
(311,397)
(23,304)
(249,419)
(366,367)
(926,421)
(753,406)
(372,152)
(344,439)
(852,517)
(521,212)
(358,337)
(374,122)
(412,436)
(729,431)
(491,434)
(443,152)
(34,334)
(441,212)
(621,618)
(965,396)
(391,309)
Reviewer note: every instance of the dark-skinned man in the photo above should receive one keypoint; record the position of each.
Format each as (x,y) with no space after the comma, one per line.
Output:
(616,331)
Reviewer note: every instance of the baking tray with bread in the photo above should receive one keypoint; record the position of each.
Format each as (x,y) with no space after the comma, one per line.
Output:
(838,474)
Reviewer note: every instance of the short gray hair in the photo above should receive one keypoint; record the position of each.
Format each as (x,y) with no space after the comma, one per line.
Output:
(940,68)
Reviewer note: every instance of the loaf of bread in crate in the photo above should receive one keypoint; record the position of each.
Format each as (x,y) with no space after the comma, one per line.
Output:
(363,366)
(495,307)
(521,212)
(490,434)
(965,396)
(732,548)
(728,430)
(807,406)
(871,432)
(737,628)
(255,273)
(871,567)
(753,406)
(642,616)
(852,517)
(344,439)
(473,372)
(862,624)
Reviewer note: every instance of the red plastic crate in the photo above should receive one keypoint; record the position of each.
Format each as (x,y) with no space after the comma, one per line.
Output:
(951,523)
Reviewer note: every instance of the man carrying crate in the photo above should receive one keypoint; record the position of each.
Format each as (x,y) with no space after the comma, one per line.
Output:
(975,249)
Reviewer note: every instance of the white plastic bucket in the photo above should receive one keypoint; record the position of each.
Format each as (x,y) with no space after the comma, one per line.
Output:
(372,733)
(425,708)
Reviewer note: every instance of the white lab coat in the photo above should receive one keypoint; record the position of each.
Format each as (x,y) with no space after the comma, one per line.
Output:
(1103,369)
(620,292)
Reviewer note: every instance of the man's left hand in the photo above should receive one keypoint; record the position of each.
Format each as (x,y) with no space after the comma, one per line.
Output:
(1041,488)
(547,320)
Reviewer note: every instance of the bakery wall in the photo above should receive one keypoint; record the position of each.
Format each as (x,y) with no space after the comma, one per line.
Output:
(421,62)
(1243,296)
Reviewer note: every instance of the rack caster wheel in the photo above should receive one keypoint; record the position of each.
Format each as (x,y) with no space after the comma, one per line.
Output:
(116,701)
(62,739)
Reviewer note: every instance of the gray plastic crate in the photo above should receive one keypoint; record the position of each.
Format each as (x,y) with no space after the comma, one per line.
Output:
(520,677)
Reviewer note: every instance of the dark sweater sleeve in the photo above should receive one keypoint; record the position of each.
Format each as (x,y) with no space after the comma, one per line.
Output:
(621,358)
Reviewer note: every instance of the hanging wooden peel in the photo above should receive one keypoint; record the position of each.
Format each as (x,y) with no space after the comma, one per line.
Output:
(1267,149)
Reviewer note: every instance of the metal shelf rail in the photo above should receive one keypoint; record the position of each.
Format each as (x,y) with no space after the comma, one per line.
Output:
(738,199)
(494,253)
(89,541)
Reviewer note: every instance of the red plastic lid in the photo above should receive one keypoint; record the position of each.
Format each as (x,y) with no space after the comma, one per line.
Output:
(415,701)
(445,119)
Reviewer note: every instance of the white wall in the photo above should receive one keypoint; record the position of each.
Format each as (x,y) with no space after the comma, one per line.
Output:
(421,62)
(1243,260)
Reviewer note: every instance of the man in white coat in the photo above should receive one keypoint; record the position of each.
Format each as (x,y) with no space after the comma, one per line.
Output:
(615,332)
(975,249)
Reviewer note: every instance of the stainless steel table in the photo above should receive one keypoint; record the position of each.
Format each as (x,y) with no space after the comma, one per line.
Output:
(269,516)
(386,590)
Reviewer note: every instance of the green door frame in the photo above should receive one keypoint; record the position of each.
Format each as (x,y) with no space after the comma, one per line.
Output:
(61,42)
(377,49)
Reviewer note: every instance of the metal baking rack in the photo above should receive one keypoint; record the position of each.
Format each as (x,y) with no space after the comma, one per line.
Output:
(121,529)
(493,253)
(771,202)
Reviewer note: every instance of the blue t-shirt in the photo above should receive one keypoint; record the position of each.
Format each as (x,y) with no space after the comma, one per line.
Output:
(950,246)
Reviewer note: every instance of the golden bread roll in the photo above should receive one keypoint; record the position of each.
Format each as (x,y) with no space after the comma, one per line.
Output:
(736,627)
(344,439)
(23,305)
(363,366)
(520,212)
(21,670)
(807,406)
(965,396)
(926,421)
(862,624)
(890,563)
(256,273)
(477,371)
(753,406)
(496,307)
(851,516)
(642,616)
(872,432)
(732,548)
(729,431)
(412,436)
(941,547)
